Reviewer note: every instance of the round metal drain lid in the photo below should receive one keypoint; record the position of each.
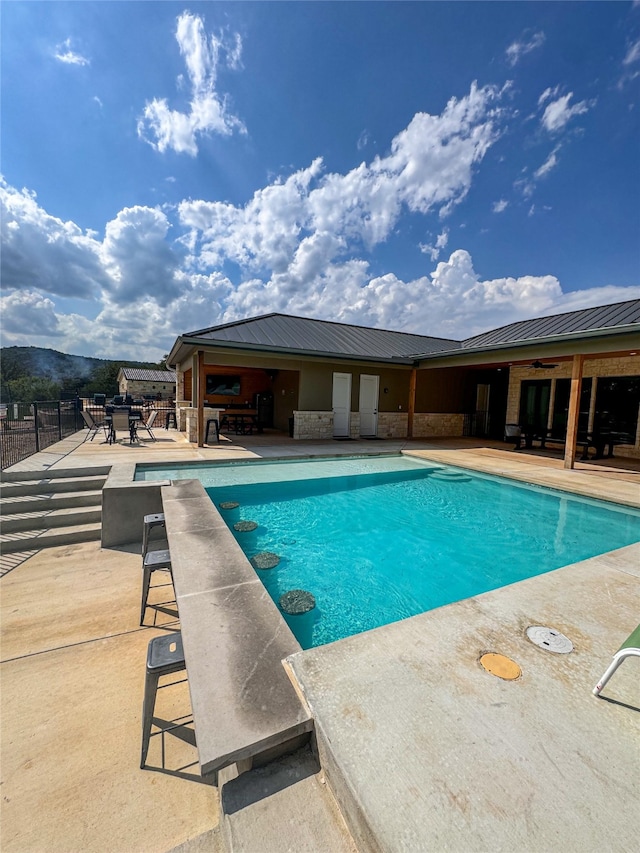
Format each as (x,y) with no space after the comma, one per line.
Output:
(501,666)
(549,639)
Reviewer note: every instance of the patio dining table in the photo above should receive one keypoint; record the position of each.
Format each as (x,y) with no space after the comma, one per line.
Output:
(134,419)
(241,421)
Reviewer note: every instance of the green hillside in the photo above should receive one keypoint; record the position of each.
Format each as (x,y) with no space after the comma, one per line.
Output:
(34,373)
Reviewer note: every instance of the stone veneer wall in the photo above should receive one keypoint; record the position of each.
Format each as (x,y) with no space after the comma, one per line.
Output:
(313,425)
(593,368)
(392,424)
(430,425)
(319,425)
(138,388)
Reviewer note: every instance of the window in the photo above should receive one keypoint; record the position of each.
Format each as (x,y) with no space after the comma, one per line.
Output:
(617,402)
(561,408)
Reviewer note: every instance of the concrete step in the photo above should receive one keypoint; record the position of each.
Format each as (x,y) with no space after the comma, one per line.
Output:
(68,517)
(30,540)
(55,474)
(282,807)
(208,842)
(46,487)
(18,505)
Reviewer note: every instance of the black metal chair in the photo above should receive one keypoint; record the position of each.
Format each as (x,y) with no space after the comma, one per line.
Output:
(165,656)
(154,519)
(153,561)
(216,426)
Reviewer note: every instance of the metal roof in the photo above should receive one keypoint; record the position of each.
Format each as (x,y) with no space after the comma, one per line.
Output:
(322,337)
(588,319)
(139,375)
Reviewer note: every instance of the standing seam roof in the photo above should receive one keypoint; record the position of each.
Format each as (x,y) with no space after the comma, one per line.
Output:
(138,374)
(587,319)
(300,333)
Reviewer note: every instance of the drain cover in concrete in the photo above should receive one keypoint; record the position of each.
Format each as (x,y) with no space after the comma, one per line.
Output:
(549,639)
(265,560)
(245,526)
(500,666)
(229,505)
(297,601)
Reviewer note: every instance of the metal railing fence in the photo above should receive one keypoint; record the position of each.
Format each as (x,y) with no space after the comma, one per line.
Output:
(30,427)
(27,428)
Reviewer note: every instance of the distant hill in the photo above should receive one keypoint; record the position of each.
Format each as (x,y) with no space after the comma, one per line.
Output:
(34,373)
(58,366)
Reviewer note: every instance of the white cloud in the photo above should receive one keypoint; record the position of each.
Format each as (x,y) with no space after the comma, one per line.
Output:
(150,293)
(28,313)
(164,128)
(138,259)
(550,163)
(500,206)
(548,94)
(429,168)
(64,53)
(633,54)
(299,245)
(558,113)
(518,49)
(434,250)
(41,251)
(363,140)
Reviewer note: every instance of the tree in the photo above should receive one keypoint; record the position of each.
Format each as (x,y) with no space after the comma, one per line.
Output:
(14,366)
(104,379)
(30,389)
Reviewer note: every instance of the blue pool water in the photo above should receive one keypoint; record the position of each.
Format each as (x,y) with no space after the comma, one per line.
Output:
(378,540)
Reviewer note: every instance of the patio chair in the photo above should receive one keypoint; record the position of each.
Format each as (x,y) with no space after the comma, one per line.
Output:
(92,425)
(120,421)
(630,648)
(149,424)
(513,432)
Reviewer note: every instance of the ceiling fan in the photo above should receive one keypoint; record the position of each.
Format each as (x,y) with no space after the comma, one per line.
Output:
(539,365)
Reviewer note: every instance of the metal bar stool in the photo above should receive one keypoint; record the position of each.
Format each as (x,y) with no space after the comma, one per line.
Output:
(216,426)
(156,519)
(152,561)
(165,656)
(171,416)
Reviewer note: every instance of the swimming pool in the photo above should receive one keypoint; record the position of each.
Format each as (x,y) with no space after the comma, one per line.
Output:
(379,539)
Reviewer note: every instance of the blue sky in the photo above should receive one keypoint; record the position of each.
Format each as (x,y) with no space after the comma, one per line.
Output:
(433,167)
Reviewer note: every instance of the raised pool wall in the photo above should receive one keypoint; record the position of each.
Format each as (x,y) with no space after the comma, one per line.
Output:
(246,710)
(125,502)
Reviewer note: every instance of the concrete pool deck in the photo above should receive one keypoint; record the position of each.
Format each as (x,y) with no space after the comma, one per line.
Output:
(424,748)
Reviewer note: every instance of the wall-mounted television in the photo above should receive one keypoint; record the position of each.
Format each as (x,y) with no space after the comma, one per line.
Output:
(223,385)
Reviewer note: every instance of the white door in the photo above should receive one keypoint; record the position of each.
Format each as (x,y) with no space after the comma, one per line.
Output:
(341,404)
(369,388)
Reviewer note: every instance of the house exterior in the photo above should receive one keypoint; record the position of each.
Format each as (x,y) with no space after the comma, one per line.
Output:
(561,374)
(138,383)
